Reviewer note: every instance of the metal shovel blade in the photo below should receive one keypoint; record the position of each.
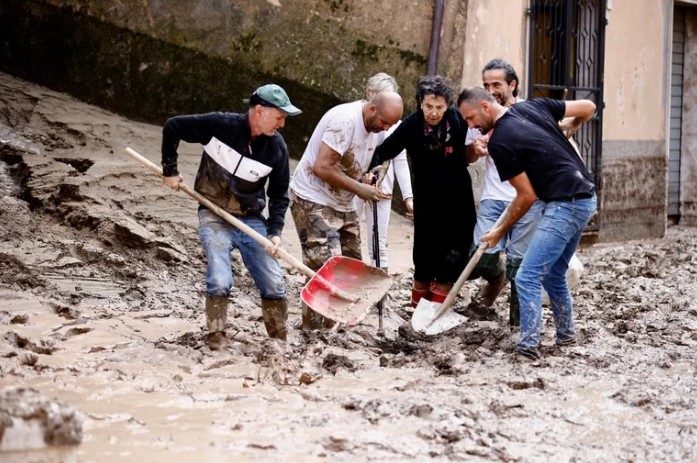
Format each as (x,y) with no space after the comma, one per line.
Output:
(423,319)
(369,284)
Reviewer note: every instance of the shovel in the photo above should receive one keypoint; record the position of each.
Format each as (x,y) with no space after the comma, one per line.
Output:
(429,318)
(376,258)
(327,291)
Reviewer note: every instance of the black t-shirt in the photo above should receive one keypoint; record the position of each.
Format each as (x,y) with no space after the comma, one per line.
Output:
(528,139)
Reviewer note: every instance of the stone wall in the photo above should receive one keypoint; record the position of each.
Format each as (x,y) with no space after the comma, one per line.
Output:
(151,60)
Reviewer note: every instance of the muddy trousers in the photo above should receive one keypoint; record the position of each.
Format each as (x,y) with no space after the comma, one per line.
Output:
(323,233)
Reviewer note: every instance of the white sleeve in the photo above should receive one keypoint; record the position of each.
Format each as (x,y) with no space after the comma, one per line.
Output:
(402,174)
(472,135)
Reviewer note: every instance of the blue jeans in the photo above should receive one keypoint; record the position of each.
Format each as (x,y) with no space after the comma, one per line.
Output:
(219,238)
(516,241)
(545,264)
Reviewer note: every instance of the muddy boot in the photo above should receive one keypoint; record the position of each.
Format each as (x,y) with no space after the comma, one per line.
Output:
(438,295)
(275,314)
(493,271)
(216,317)
(311,319)
(512,266)
(418,294)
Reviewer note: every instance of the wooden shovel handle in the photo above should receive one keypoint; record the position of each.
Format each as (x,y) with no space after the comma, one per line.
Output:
(256,236)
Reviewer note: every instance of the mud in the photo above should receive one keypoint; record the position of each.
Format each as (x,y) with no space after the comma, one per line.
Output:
(101,307)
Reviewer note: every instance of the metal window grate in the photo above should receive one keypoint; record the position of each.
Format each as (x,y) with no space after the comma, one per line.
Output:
(566,61)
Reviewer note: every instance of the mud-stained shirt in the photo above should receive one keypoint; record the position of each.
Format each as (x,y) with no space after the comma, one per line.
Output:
(342,129)
(235,168)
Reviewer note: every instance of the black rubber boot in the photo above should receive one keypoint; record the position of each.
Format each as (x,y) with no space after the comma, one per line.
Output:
(493,271)
(275,313)
(512,266)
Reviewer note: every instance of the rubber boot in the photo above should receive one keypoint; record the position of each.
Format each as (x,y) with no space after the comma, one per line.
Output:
(512,266)
(494,272)
(216,318)
(418,294)
(438,296)
(275,313)
(314,321)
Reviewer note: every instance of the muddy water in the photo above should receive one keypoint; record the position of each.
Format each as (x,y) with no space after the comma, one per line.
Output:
(101,306)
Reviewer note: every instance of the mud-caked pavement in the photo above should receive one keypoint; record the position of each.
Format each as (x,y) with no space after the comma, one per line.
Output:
(101,307)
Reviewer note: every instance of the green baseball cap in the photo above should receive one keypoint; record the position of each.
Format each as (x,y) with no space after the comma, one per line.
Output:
(274,96)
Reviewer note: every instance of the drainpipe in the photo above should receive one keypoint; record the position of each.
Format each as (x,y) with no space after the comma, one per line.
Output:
(438,8)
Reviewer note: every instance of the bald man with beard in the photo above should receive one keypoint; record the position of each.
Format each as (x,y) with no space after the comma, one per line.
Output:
(331,174)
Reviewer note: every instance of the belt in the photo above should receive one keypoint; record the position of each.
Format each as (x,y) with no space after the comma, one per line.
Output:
(572,198)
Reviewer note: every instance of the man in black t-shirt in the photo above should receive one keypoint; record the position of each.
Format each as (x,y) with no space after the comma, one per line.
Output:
(531,150)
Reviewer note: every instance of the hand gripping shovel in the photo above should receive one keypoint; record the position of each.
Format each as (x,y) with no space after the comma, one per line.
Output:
(429,318)
(328,291)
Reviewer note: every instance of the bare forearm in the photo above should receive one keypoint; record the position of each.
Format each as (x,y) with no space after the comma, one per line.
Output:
(577,112)
(338,179)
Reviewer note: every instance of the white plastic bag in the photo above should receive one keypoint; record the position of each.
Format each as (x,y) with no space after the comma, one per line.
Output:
(573,275)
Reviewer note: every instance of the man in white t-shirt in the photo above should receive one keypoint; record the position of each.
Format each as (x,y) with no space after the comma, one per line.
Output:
(329,176)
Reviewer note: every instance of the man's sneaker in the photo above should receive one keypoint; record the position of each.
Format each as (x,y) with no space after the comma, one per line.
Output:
(570,341)
(531,353)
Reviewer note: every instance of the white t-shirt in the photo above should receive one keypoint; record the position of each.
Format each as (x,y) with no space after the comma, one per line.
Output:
(343,130)
(494,188)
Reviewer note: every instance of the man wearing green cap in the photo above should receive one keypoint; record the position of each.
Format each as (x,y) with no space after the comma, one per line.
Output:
(241,152)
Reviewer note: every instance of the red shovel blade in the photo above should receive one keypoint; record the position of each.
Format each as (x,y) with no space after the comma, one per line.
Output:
(368,284)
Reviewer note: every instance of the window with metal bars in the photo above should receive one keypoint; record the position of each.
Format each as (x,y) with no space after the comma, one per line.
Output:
(567,52)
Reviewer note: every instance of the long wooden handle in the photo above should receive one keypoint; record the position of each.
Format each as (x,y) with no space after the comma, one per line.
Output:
(256,236)
(455,290)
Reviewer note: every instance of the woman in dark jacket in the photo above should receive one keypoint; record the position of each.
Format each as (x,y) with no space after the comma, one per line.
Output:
(444,212)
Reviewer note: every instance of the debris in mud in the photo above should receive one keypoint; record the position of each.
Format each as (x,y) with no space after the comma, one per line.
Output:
(31,422)
(538,383)
(332,363)
(22,342)
(308,378)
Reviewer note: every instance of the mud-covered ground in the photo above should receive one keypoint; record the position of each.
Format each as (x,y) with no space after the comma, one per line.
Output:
(101,289)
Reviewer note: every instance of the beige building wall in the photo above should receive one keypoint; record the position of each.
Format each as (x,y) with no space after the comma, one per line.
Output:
(635,147)
(635,64)
(495,29)
(634,154)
